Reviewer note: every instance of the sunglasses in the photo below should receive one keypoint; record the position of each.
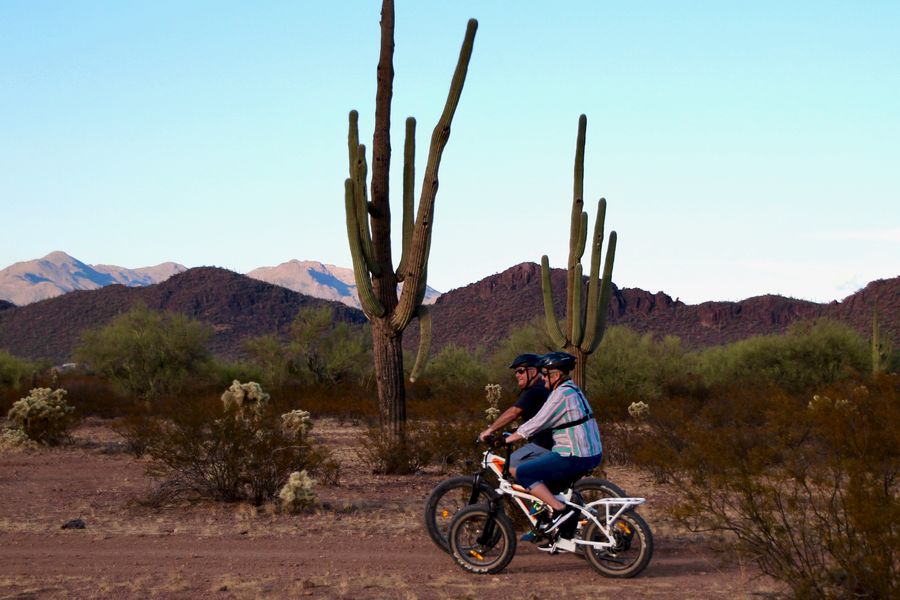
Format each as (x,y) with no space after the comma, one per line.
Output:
(520,370)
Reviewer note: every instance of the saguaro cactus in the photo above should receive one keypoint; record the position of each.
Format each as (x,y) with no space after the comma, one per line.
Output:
(369,227)
(584,327)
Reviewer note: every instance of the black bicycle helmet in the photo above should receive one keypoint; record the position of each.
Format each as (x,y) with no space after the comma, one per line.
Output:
(526,360)
(561,361)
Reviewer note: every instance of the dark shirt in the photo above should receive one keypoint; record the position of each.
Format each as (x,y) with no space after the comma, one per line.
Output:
(531,399)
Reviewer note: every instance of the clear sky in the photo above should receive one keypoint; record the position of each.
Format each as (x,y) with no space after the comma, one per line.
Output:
(744,148)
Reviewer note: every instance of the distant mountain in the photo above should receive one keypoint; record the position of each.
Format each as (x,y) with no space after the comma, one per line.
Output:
(235,306)
(479,314)
(58,273)
(319,280)
(482,313)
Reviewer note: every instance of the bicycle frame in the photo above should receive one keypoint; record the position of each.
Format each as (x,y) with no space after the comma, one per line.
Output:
(613,507)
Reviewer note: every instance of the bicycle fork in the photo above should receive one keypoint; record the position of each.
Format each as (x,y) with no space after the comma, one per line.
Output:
(490,524)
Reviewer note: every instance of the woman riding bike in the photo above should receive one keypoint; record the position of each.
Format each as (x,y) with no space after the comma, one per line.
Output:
(577,448)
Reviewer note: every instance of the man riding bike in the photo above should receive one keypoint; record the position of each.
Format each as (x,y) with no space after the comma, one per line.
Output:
(532,396)
(577,448)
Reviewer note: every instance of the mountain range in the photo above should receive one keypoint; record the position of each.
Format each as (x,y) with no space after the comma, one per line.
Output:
(322,281)
(486,311)
(58,273)
(480,314)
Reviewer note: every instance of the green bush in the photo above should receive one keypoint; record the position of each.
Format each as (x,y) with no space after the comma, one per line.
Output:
(14,370)
(148,354)
(807,357)
(241,449)
(269,359)
(326,352)
(455,368)
(44,415)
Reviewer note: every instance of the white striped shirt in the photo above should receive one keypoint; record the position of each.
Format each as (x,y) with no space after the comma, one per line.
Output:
(566,404)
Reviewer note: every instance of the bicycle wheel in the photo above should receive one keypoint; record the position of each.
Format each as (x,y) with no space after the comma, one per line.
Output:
(594,488)
(446,500)
(633,549)
(466,535)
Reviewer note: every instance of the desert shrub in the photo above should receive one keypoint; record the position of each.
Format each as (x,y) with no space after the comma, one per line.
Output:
(147,354)
(384,454)
(269,358)
(14,370)
(455,368)
(240,449)
(807,357)
(325,351)
(807,486)
(44,415)
(629,367)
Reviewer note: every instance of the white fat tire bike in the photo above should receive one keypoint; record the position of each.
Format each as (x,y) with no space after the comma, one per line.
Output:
(616,541)
(452,495)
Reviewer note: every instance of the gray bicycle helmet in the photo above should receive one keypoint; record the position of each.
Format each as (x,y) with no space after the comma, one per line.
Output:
(561,361)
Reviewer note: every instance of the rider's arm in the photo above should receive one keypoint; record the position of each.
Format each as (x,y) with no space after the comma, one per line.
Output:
(509,415)
(552,411)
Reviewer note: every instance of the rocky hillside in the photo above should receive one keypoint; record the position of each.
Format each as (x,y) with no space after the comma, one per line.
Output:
(236,307)
(479,314)
(486,311)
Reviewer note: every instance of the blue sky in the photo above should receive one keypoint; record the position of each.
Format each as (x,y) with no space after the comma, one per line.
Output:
(743,148)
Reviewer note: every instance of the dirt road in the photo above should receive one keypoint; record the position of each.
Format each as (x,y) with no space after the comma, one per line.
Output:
(367,543)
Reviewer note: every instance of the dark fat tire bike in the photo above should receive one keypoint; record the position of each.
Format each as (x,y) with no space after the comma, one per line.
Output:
(482,540)
(454,494)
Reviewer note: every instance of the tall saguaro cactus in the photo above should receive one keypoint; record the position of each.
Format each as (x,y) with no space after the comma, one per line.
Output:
(369,227)
(584,325)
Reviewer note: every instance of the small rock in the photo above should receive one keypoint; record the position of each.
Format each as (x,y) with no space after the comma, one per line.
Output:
(74,524)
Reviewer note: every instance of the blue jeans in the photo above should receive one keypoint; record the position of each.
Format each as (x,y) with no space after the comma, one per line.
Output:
(553,467)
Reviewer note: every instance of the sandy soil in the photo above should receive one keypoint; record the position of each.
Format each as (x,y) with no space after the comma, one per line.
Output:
(368,541)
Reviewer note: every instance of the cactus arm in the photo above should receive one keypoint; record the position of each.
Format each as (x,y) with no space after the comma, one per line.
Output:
(553,330)
(593,292)
(370,304)
(582,237)
(353,141)
(362,211)
(424,316)
(578,321)
(596,335)
(578,191)
(409,190)
(420,243)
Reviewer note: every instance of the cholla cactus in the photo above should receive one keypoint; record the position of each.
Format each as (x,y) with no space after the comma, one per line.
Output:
(246,399)
(639,410)
(16,439)
(44,415)
(296,423)
(821,402)
(298,493)
(492,394)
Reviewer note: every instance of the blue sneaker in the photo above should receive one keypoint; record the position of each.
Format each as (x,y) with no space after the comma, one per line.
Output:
(528,536)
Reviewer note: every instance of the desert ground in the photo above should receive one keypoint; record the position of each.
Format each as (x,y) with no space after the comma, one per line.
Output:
(365,541)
